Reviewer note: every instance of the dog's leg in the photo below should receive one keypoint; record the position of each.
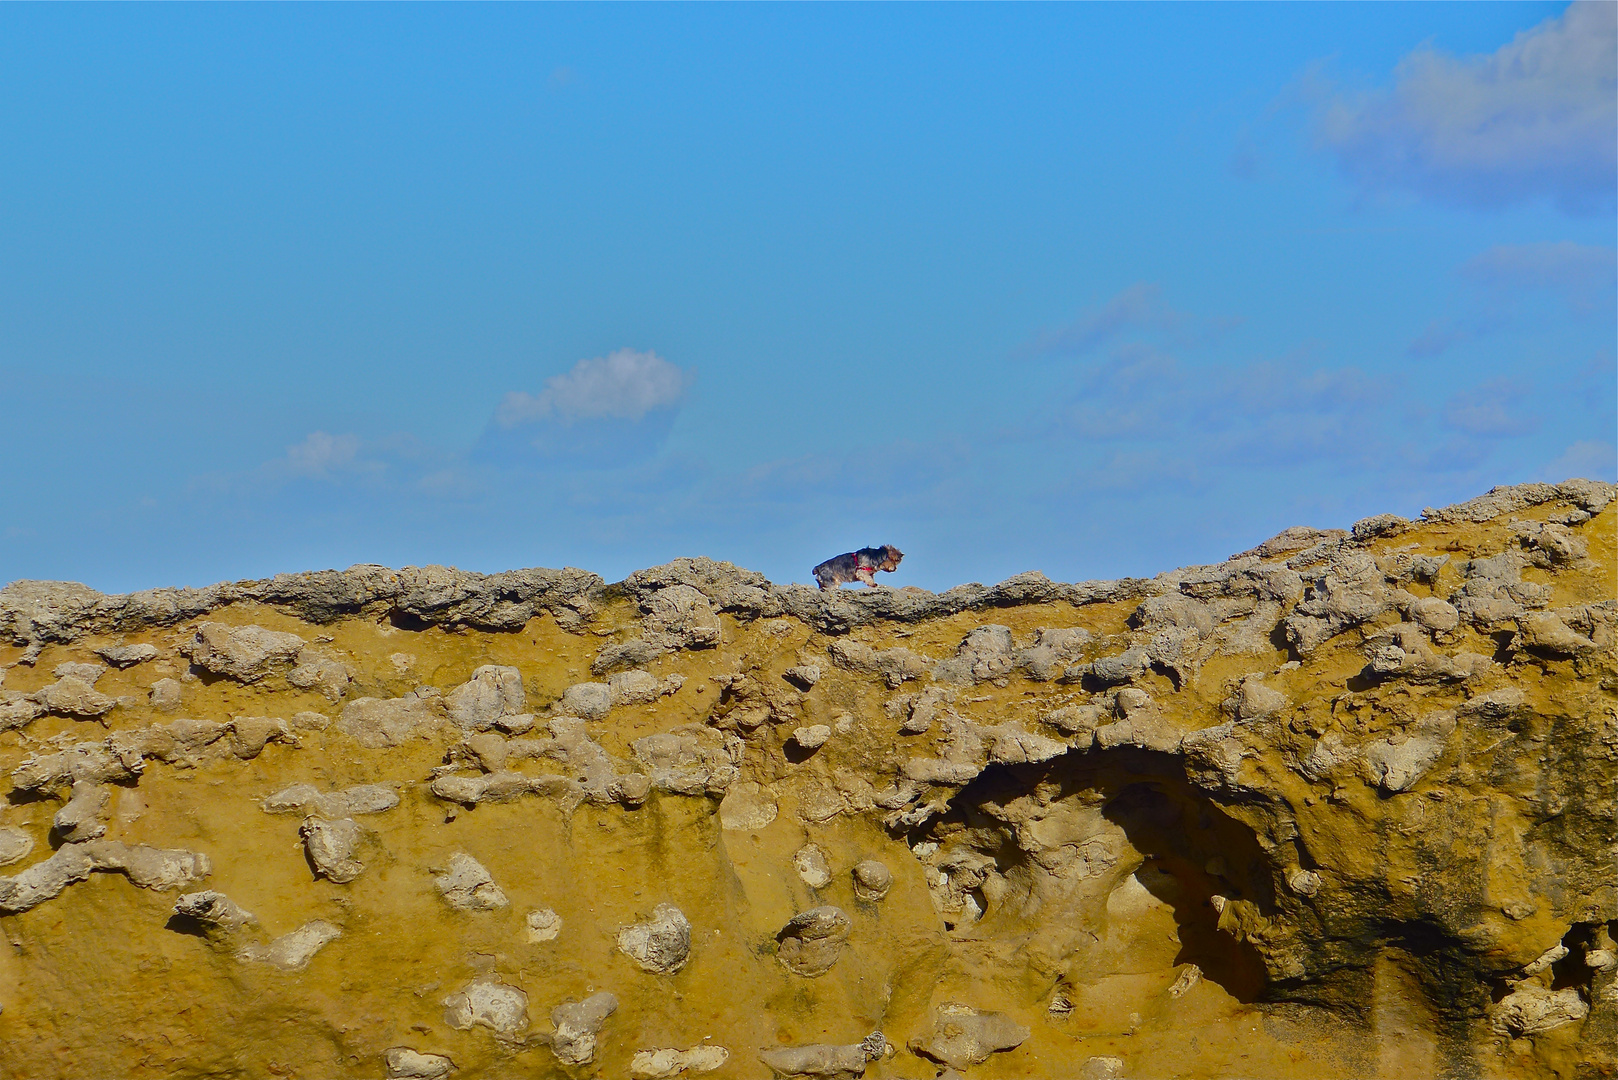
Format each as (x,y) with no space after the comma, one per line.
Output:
(866,576)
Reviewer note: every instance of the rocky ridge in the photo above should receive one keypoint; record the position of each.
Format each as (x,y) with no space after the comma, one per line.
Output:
(1342,805)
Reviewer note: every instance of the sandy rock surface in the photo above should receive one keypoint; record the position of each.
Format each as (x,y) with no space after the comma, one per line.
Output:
(1341,806)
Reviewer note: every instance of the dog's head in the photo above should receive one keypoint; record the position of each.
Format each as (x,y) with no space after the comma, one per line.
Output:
(890,558)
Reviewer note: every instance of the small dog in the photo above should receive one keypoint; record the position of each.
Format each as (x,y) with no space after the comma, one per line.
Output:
(860,565)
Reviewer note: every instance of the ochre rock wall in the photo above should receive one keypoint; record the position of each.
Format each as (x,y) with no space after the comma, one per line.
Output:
(1342,806)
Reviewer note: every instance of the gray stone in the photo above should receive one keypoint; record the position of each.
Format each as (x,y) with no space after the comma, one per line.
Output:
(332,847)
(660,945)
(84,817)
(492,692)
(73,696)
(588,701)
(165,694)
(803,676)
(1053,650)
(810,863)
(665,1063)
(812,737)
(243,653)
(577,1025)
(817,1061)
(15,844)
(87,672)
(468,886)
(123,656)
(872,880)
(1396,763)
(292,952)
(321,673)
(380,723)
(543,925)
(812,941)
(213,908)
(406,1064)
(308,799)
(680,617)
(962,1036)
(1532,1008)
(488,1003)
(985,653)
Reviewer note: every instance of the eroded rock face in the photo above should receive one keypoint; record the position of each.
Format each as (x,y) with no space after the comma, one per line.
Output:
(1348,781)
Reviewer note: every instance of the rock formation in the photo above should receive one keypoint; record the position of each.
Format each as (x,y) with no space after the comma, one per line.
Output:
(1344,805)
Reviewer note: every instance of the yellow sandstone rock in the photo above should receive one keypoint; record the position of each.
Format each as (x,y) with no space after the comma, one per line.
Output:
(1341,806)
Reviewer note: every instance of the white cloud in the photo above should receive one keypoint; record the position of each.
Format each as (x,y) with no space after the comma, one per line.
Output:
(622,385)
(1584,460)
(1536,118)
(321,454)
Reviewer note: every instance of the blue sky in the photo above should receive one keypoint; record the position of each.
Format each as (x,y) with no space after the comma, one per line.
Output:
(1095,290)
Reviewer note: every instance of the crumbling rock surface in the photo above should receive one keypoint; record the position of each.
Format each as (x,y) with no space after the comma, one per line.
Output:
(1340,806)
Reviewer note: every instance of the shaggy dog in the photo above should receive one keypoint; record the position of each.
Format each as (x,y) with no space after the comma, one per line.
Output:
(860,565)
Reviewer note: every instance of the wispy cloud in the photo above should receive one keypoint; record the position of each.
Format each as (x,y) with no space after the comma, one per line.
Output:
(1581,276)
(1510,281)
(1494,410)
(623,385)
(1587,459)
(322,455)
(1138,309)
(1535,119)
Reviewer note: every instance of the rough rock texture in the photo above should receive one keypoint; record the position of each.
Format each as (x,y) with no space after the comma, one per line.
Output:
(1340,806)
